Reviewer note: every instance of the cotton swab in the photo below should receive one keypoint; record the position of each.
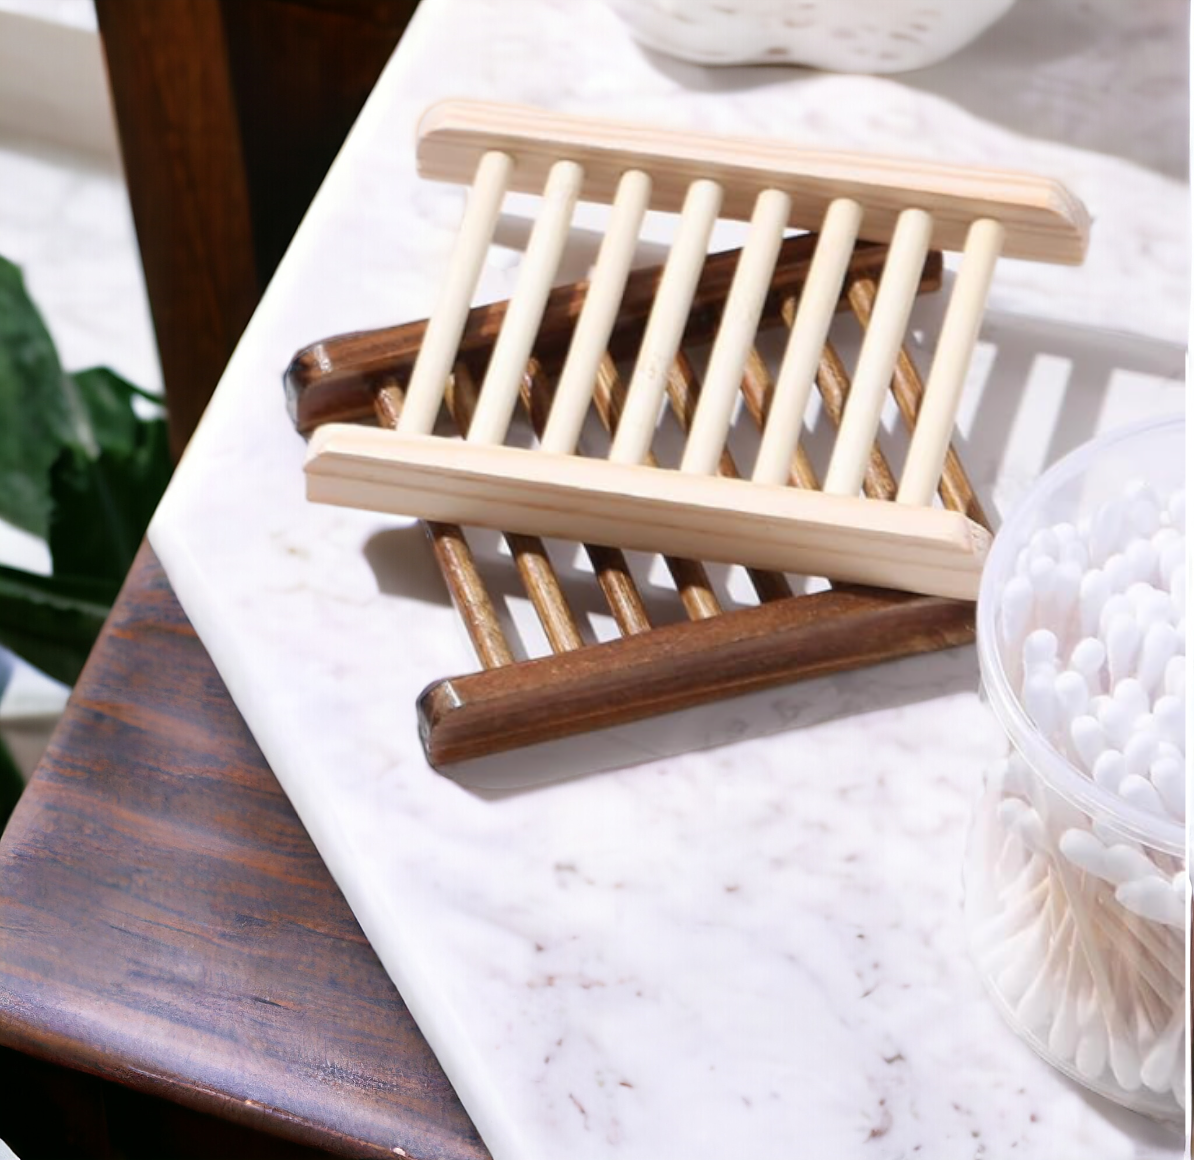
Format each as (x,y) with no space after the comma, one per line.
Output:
(1092,954)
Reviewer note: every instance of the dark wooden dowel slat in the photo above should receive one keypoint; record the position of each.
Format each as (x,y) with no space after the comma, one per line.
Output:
(690,577)
(457,566)
(609,564)
(333,380)
(542,585)
(955,489)
(683,391)
(619,589)
(471,597)
(757,388)
(834,385)
(529,552)
(769,586)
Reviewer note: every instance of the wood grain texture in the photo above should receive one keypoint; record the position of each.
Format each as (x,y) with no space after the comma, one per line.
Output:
(834,385)
(649,509)
(301,71)
(529,552)
(689,576)
(334,380)
(1044,221)
(758,392)
(57,1113)
(955,489)
(456,563)
(684,393)
(613,574)
(180,141)
(669,668)
(167,923)
(466,725)
(229,113)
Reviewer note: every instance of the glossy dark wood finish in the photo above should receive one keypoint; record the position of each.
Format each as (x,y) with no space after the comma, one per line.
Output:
(334,380)
(229,113)
(165,921)
(678,666)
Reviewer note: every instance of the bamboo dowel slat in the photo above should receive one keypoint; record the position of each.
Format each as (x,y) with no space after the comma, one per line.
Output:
(429,377)
(574,391)
(834,386)
(609,564)
(955,489)
(665,325)
(947,376)
(759,391)
(530,555)
(880,348)
(503,377)
(684,393)
(833,383)
(457,566)
(808,331)
(690,577)
(736,333)
(333,380)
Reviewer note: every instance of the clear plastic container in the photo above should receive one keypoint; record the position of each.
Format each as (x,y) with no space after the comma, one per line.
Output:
(1077,897)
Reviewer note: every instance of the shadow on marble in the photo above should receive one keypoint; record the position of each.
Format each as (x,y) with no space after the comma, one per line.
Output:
(1089,74)
(767,713)
(1083,370)
(404,565)
(1038,390)
(1145,1132)
(1072,373)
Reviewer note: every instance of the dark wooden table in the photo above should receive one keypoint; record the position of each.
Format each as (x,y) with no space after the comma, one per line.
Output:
(165,921)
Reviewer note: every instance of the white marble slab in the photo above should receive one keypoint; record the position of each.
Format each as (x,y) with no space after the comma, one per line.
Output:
(757,949)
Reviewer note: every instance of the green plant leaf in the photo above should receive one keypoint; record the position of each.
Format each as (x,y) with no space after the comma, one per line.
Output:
(102,502)
(35,412)
(78,467)
(52,621)
(105,403)
(12,784)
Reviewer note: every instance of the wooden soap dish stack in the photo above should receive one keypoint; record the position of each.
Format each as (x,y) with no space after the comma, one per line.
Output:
(557,356)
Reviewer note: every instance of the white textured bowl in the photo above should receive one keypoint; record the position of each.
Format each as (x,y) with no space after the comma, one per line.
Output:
(858,36)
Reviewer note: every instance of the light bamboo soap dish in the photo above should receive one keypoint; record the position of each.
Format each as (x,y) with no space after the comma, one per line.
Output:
(874,228)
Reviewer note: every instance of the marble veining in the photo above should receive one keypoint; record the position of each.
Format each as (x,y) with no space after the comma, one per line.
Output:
(756,949)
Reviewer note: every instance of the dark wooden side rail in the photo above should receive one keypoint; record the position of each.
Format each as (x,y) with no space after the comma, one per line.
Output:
(166,922)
